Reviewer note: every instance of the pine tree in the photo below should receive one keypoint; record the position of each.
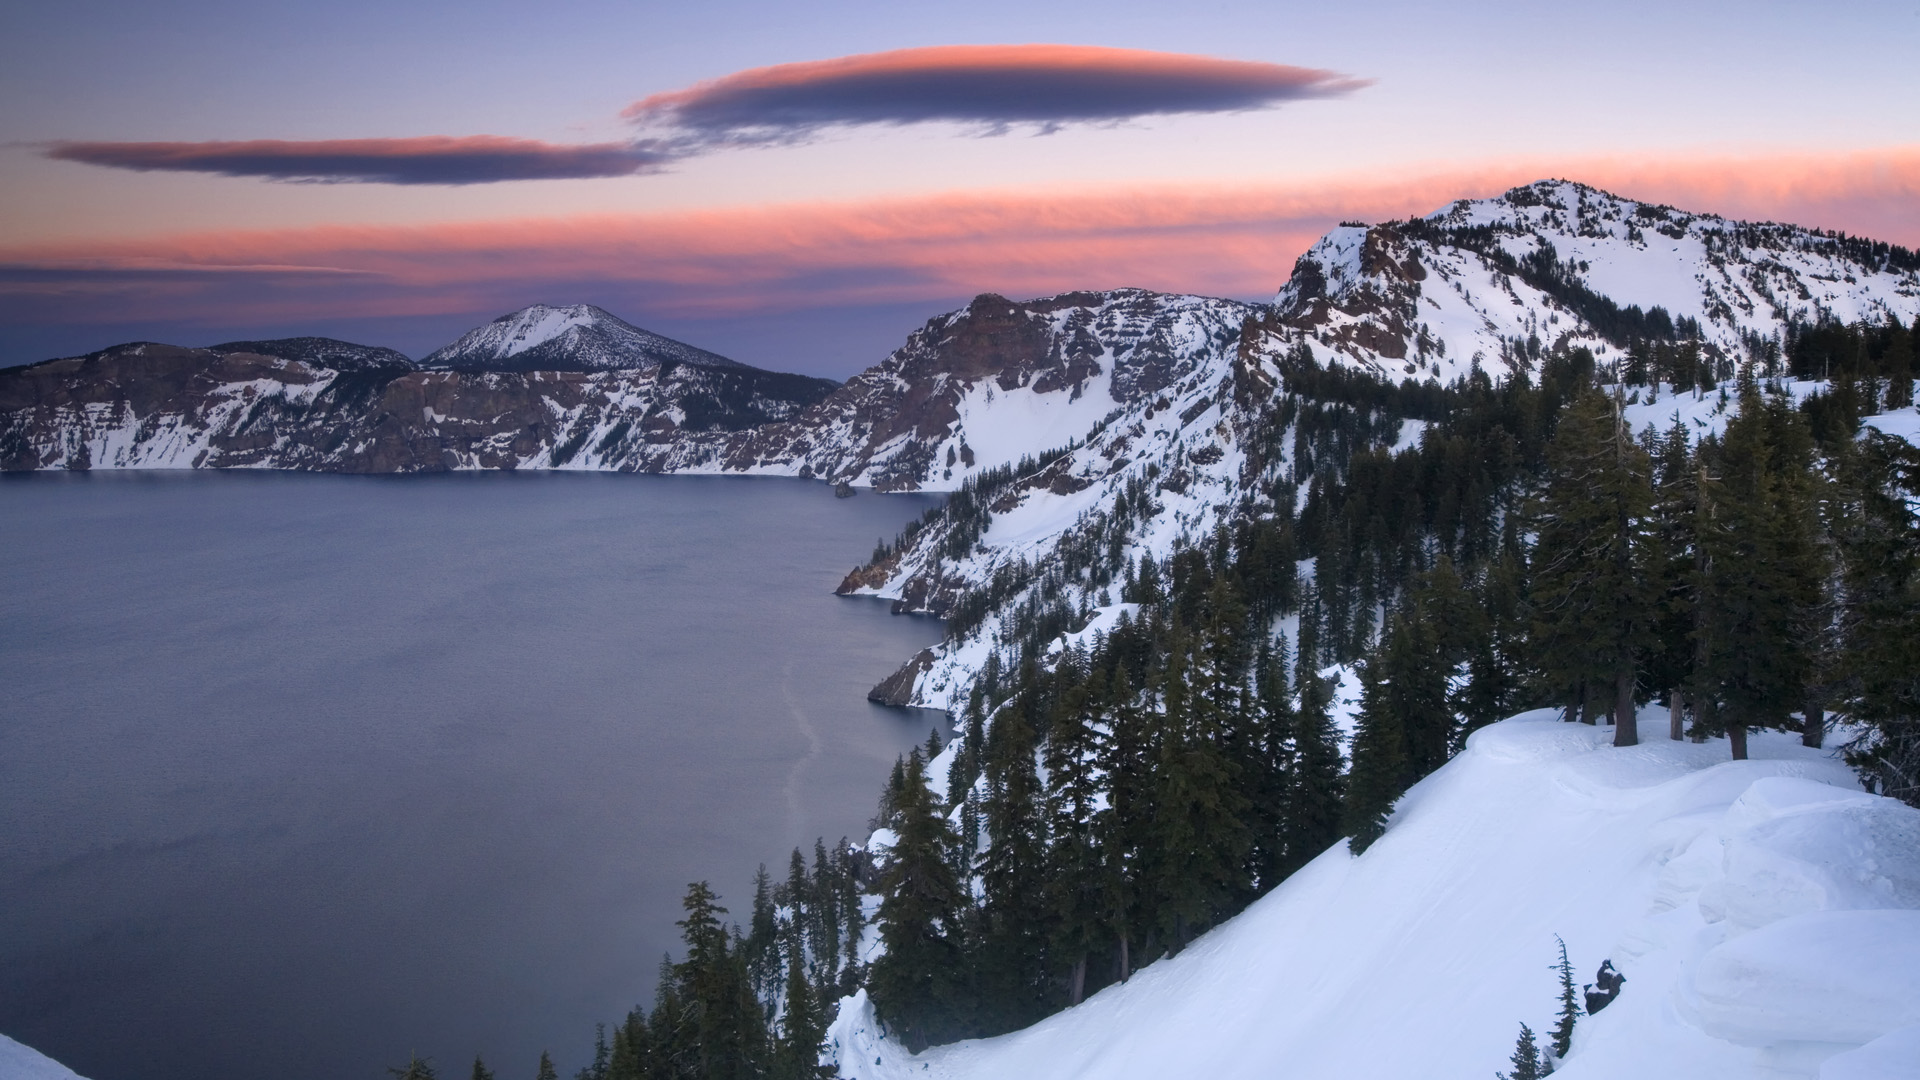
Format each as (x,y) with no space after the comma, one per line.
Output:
(726,1036)
(416,1068)
(547,1071)
(1668,564)
(918,986)
(480,1070)
(1569,1005)
(1197,838)
(1074,873)
(1381,769)
(1526,1058)
(1879,540)
(1271,764)
(803,1029)
(1590,603)
(763,938)
(597,1069)
(1010,955)
(1316,787)
(1762,572)
(1122,827)
(632,1055)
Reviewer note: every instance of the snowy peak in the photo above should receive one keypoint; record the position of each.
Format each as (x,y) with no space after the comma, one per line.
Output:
(1570,265)
(578,337)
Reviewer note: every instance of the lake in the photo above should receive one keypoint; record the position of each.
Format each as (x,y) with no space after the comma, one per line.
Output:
(301,774)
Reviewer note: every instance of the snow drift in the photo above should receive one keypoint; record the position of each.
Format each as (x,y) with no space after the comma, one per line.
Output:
(1762,911)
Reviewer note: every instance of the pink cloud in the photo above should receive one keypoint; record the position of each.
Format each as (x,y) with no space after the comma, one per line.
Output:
(1221,240)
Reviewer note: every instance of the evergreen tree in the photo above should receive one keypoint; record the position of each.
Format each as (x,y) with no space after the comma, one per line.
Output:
(1075,877)
(1270,767)
(632,1055)
(1010,955)
(546,1072)
(597,1069)
(1381,769)
(725,1033)
(1879,540)
(918,986)
(1316,786)
(416,1068)
(1526,1058)
(1762,572)
(1668,567)
(1590,603)
(1569,1005)
(1122,827)
(1197,837)
(480,1070)
(803,1029)
(763,938)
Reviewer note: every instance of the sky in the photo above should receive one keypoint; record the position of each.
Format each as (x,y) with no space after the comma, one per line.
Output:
(800,186)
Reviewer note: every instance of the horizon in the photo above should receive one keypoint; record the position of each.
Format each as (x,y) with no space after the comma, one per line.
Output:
(799,194)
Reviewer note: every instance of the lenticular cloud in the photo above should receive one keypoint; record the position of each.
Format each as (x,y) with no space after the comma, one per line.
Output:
(992,85)
(475,159)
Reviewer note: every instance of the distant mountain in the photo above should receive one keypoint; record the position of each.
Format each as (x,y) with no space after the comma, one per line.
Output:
(146,405)
(322,352)
(579,337)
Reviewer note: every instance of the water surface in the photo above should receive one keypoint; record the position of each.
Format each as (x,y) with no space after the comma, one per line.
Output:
(300,774)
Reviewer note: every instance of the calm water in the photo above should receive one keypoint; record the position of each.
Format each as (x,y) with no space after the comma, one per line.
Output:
(301,774)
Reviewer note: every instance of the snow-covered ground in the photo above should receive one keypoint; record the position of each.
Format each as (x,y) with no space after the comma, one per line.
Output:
(1762,911)
(18,1062)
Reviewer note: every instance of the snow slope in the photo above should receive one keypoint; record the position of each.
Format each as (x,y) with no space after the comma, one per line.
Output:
(1764,913)
(19,1062)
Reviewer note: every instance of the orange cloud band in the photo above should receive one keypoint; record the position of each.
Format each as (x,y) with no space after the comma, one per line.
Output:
(1232,241)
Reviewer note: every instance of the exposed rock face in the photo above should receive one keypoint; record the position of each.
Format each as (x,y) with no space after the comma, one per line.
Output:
(897,689)
(994,382)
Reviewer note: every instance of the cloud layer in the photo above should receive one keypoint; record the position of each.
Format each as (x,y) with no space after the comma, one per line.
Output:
(991,85)
(433,159)
(758,262)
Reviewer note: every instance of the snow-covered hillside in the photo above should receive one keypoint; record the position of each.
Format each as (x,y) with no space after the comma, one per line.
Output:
(1490,284)
(579,337)
(1765,913)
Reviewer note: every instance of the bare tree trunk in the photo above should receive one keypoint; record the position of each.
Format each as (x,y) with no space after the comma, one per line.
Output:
(1815,731)
(1626,724)
(1586,703)
(1079,978)
(1676,716)
(1737,735)
(1126,961)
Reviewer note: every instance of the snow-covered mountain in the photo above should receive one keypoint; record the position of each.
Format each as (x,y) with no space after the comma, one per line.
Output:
(1428,299)
(579,337)
(152,406)
(1765,913)
(1572,266)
